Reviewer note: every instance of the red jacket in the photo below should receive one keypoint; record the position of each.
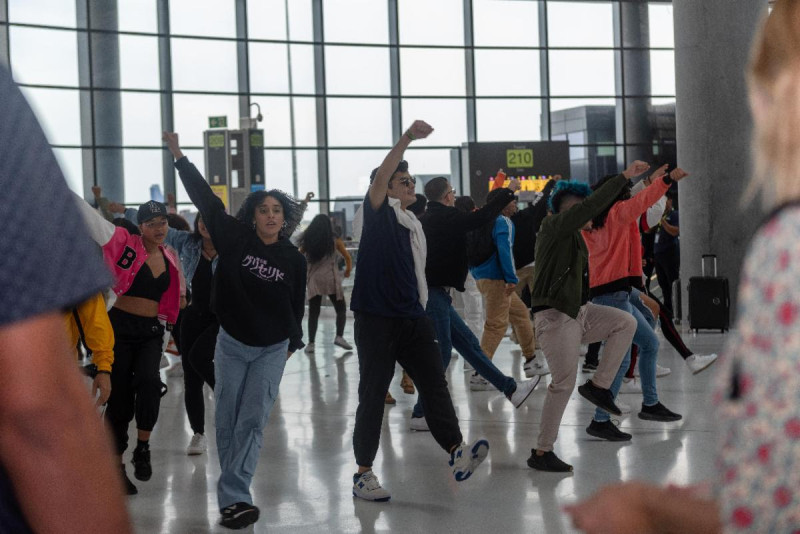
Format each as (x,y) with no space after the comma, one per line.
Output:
(615,250)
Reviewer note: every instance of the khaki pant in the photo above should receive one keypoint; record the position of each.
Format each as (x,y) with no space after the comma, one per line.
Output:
(561,337)
(525,275)
(500,309)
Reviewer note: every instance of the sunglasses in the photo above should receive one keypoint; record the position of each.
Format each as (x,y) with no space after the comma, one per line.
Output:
(407,181)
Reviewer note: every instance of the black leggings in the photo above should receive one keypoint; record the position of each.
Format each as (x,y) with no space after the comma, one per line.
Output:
(198,340)
(314,304)
(135,378)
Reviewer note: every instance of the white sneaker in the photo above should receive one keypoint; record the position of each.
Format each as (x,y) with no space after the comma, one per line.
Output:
(366,486)
(660,371)
(478,383)
(309,348)
(419,424)
(624,408)
(630,385)
(536,367)
(175,371)
(465,459)
(468,366)
(700,362)
(198,445)
(523,391)
(339,341)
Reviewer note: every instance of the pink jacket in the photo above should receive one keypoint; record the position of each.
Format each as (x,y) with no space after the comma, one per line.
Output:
(615,250)
(125,254)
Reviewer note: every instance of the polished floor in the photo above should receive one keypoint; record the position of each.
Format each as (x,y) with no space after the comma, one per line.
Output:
(303,482)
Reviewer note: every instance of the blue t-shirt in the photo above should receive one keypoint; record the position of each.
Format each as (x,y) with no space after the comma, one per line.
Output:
(385,282)
(665,243)
(49,262)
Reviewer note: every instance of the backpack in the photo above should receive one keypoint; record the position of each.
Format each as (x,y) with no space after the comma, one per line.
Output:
(480,245)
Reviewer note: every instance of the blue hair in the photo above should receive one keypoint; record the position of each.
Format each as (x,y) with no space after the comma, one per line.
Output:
(567,188)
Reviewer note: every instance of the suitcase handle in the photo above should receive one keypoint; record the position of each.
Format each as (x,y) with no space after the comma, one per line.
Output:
(703,263)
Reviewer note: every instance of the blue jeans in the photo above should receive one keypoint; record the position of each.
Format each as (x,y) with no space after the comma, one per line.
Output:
(452,332)
(645,338)
(247,382)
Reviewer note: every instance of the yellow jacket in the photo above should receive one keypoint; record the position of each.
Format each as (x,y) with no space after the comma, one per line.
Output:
(96,329)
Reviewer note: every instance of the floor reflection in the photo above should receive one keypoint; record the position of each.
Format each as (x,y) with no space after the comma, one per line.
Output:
(305,472)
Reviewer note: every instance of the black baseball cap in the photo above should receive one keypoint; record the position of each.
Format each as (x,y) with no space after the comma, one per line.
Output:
(151,210)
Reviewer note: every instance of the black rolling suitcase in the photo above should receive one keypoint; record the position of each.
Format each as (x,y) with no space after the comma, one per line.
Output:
(709,300)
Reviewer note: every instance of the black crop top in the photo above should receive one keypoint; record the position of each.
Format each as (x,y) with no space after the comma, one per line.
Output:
(146,287)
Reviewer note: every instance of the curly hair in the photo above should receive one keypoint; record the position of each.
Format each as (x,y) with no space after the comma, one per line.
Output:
(292,209)
(600,220)
(566,188)
(317,241)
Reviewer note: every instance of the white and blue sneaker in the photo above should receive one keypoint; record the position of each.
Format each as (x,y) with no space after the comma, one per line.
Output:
(464,460)
(367,487)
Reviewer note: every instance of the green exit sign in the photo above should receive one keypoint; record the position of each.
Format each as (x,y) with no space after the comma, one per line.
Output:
(218,122)
(517,158)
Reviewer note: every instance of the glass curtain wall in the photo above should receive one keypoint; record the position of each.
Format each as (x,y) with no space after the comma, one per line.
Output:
(338,80)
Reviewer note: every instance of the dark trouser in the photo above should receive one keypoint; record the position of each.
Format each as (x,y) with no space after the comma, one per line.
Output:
(381,342)
(451,331)
(135,379)
(314,305)
(670,332)
(667,270)
(198,338)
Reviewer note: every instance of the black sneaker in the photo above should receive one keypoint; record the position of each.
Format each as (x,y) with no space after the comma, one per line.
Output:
(658,412)
(607,431)
(239,515)
(600,397)
(548,462)
(130,489)
(142,469)
(589,367)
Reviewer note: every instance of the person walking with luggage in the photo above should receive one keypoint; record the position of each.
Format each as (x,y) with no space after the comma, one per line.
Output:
(563,321)
(389,299)
(259,298)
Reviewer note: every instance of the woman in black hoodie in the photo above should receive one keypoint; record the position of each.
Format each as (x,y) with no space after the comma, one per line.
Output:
(258,294)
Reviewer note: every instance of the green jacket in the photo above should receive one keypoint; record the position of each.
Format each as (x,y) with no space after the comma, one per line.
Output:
(561,254)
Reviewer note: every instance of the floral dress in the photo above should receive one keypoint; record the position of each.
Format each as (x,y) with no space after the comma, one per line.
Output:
(757,390)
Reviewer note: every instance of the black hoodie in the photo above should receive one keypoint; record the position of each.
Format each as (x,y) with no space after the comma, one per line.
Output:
(259,290)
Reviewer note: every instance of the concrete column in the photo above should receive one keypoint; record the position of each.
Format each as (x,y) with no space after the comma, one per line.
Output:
(101,110)
(634,25)
(712,45)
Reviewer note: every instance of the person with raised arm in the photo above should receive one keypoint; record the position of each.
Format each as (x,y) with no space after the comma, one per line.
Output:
(258,296)
(389,299)
(563,322)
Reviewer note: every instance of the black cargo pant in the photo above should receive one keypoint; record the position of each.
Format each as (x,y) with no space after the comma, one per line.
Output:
(382,342)
(135,378)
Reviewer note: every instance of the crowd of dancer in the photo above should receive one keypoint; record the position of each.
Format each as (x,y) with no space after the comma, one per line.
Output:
(233,293)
